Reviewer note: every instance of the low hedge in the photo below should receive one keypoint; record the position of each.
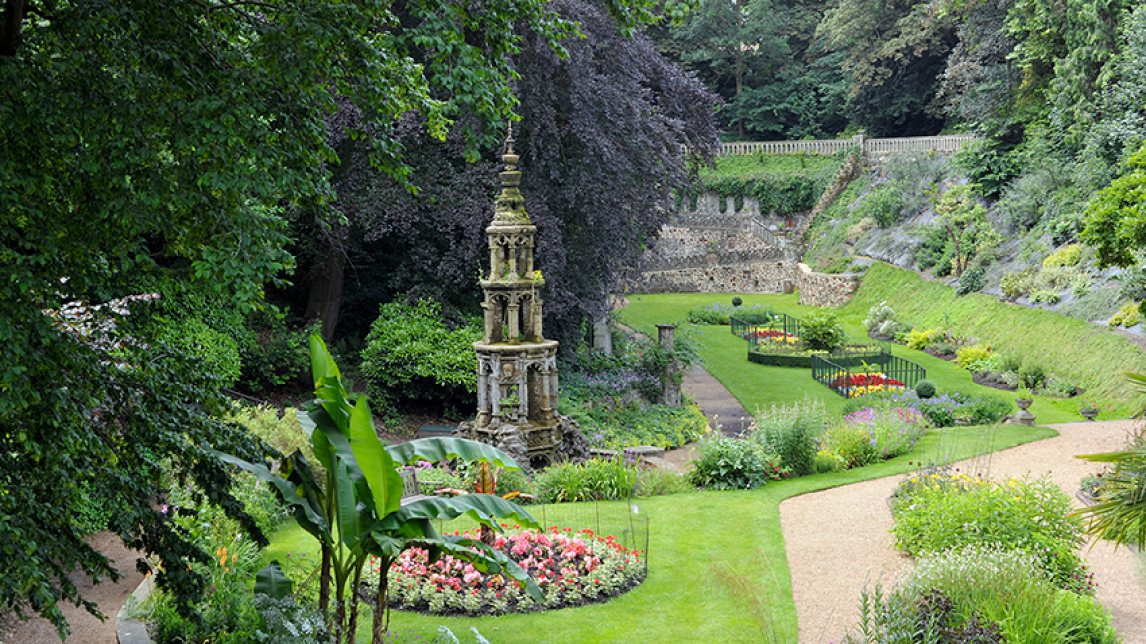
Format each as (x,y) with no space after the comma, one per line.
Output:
(802,359)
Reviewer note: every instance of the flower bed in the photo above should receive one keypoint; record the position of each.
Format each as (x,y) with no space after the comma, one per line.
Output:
(765,334)
(572,568)
(864,382)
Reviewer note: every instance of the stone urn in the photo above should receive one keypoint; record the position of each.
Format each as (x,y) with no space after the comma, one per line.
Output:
(1089,413)
(1024,403)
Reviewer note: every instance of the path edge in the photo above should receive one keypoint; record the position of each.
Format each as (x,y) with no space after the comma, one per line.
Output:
(128,630)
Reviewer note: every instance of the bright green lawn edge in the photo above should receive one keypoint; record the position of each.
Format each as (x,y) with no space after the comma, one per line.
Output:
(717,565)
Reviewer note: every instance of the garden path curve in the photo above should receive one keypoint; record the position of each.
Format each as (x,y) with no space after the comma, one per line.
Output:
(838,540)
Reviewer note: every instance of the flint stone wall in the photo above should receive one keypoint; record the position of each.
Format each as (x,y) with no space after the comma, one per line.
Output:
(824,289)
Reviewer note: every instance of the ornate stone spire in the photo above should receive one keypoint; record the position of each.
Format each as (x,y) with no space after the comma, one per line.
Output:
(510,207)
(517,366)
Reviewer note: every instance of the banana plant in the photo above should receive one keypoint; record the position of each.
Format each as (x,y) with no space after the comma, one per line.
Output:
(356,512)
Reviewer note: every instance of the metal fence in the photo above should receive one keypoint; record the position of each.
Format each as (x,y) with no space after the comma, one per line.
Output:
(851,375)
(756,326)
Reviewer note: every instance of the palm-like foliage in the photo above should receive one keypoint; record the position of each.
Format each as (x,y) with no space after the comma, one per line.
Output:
(1120,514)
(356,513)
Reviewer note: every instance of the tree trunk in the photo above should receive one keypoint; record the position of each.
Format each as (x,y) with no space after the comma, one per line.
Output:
(325,301)
(324,587)
(381,603)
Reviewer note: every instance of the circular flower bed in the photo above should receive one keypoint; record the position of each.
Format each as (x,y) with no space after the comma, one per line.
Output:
(771,335)
(865,383)
(572,568)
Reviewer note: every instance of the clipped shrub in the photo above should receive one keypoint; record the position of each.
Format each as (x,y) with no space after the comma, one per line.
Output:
(971,281)
(1016,285)
(737,301)
(1045,295)
(925,389)
(412,355)
(725,463)
(881,321)
(975,353)
(1069,255)
(1129,315)
(823,330)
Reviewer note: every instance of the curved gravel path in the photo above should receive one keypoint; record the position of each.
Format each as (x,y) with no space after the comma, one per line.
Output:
(837,541)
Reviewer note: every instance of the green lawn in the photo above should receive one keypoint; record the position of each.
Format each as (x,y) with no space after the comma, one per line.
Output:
(717,569)
(756,385)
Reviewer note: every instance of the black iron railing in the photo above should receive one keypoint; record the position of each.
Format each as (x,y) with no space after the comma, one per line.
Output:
(851,375)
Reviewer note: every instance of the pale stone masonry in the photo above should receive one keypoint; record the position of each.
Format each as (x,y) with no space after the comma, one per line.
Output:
(517,367)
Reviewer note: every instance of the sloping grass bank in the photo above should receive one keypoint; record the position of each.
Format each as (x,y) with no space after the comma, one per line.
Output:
(1089,356)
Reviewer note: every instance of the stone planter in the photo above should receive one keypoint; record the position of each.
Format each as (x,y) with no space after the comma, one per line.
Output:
(1089,413)
(1024,403)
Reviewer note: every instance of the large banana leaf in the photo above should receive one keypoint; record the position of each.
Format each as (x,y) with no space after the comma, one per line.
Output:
(445,448)
(377,467)
(273,582)
(290,492)
(483,508)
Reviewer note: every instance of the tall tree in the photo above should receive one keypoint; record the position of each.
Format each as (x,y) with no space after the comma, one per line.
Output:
(600,137)
(895,52)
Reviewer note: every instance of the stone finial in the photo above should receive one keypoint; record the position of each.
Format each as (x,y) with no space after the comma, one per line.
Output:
(510,157)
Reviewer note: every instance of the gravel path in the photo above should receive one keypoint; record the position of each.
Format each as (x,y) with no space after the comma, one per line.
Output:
(837,541)
(109,596)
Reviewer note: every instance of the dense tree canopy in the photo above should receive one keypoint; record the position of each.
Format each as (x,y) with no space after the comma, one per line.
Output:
(147,138)
(600,137)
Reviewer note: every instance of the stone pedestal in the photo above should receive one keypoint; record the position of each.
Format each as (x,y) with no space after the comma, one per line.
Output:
(671,377)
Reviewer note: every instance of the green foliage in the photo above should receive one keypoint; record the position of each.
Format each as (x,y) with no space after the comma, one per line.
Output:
(919,338)
(1032,374)
(969,355)
(725,463)
(595,479)
(989,164)
(983,594)
(277,355)
(218,353)
(782,194)
(971,281)
(737,300)
(1069,255)
(412,355)
(1116,216)
(925,389)
(1030,515)
(628,426)
(884,205)
(1016,285)
(1119,513)
(278,429)
(1129,315)
(936,251)
(881,321)
(791,433)
(823,330)
(965,221)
